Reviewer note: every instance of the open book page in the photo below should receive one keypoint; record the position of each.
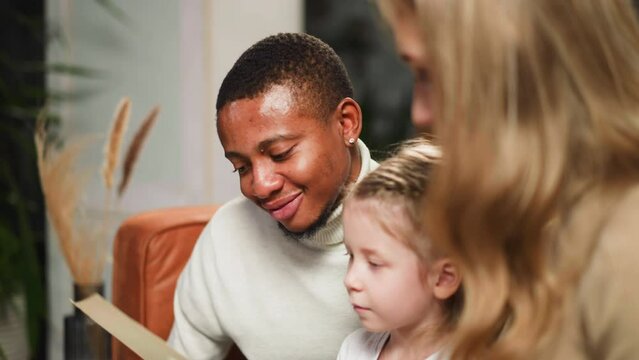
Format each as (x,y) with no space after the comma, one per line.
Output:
(131,333)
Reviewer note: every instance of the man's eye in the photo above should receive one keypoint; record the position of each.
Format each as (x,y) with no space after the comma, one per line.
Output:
(240,170)
(281,156)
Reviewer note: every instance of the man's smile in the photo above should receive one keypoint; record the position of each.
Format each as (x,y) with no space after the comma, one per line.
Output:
(283,208)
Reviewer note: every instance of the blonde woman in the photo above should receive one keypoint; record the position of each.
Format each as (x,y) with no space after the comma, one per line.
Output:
(536,107)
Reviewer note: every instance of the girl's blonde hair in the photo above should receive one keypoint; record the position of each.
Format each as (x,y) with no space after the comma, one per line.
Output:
(537,112)
(401,180)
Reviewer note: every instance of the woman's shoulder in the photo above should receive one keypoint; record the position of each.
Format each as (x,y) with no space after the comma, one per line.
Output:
(609,290)
(622,227)
(618,245)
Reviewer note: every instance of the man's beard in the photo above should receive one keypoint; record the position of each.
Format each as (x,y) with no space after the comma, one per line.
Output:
(316,226)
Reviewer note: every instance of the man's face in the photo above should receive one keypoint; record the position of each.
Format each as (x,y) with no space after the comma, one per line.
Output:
(290,164)
(410,45)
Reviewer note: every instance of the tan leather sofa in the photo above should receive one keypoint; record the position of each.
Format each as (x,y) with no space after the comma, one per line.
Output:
(149,252)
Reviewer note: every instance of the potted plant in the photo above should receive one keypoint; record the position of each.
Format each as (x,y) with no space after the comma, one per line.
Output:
(83,244)
(22,221)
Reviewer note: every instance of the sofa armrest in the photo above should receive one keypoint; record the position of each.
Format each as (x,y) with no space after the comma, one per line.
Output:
(149,253)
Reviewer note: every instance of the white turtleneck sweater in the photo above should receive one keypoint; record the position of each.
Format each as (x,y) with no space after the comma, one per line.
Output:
(275,297)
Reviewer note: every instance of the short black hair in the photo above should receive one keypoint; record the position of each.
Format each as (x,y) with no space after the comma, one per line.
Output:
(308,65)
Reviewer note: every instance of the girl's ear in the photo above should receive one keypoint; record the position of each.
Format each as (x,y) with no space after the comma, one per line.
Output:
(445,279)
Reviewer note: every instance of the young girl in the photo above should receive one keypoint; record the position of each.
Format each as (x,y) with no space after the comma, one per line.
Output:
(406,297)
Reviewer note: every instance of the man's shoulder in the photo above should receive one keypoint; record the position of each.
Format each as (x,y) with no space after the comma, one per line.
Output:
(239,203)
(238,209)
(239,217)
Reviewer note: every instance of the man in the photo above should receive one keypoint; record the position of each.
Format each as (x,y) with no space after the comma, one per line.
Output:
(266,273)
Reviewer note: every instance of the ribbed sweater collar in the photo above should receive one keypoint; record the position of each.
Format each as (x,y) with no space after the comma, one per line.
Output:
(332,233)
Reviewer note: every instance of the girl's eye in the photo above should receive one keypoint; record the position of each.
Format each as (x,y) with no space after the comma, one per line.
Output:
(350,256)
(374,264)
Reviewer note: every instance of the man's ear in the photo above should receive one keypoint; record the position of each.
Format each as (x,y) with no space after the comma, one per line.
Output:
(349,119)
(445,279)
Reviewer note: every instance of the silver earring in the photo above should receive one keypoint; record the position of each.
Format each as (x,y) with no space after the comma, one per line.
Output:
(351,141)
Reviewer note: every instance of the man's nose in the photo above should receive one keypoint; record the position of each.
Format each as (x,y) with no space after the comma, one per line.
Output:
(266,181)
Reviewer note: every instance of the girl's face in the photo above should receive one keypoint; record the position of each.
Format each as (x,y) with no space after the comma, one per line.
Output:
(386,281)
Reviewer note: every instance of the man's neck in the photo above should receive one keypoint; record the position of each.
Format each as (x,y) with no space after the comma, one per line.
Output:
(314,228)
(356,164)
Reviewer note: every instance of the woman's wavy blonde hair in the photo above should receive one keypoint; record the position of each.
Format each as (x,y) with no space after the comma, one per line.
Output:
(537,112)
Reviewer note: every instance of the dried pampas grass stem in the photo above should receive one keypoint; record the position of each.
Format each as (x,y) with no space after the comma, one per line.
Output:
(84,243)
(114,141)
(135,147)
(62,186)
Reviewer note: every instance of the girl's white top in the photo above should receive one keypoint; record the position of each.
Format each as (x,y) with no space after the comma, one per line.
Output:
(365,345)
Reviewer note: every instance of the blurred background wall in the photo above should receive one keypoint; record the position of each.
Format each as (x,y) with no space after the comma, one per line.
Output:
(165,52)
(80,57)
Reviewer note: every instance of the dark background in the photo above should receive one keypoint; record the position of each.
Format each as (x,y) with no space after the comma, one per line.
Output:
(382,82)
(22,94)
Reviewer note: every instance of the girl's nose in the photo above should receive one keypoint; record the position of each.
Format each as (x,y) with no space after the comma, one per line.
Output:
(351,280)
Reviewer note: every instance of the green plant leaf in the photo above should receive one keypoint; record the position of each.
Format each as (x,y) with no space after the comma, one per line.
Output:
(115,11)
(28,269)
(58,69)
(75,70)
(10,282)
